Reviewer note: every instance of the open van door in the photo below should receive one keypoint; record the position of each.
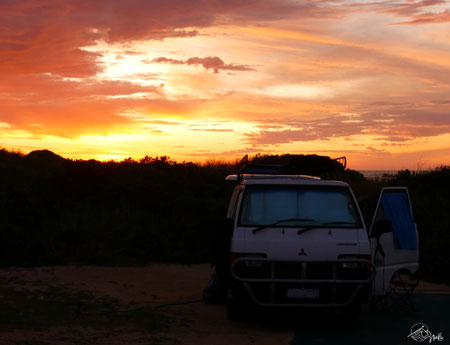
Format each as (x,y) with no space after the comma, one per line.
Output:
(393,237)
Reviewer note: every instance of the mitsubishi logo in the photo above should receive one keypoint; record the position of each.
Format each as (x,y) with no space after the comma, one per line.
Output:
(302,253)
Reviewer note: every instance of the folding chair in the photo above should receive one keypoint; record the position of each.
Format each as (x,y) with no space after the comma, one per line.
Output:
(400,290)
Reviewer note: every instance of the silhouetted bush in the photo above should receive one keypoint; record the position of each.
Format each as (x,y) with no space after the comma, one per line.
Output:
(59,211)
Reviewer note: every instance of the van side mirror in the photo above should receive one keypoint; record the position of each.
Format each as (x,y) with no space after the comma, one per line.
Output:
(380,227)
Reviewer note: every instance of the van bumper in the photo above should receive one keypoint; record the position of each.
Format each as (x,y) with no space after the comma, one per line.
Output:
(327,284)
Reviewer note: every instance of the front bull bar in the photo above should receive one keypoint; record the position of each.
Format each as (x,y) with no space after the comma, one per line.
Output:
(304,280)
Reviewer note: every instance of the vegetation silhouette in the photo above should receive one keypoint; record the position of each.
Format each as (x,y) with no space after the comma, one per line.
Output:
(56,211)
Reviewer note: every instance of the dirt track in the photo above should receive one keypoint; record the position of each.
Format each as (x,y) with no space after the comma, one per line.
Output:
(127,288)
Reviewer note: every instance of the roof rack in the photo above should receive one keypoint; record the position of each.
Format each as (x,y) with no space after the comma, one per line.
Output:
(243,167)
(242,177)
(342,160)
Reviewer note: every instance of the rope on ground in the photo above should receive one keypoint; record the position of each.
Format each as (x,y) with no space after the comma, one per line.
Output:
(78,311)
(161,305)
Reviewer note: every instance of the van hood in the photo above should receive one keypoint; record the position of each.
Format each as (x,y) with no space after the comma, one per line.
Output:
(287,244)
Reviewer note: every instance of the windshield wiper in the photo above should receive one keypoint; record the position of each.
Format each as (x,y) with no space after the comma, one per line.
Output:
(278,222)
(324,225)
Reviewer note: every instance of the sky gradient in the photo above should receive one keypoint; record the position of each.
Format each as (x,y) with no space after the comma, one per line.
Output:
(195,80)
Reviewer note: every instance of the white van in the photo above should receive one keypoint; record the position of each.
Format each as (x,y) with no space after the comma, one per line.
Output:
(300,241)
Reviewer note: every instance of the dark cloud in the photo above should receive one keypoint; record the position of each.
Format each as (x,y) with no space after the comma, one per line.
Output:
(377,151)
(211,62)
(441,101)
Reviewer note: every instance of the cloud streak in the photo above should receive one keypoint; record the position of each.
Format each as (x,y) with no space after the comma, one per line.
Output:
(419,11)
(402,125)
(428,18)
(211,62)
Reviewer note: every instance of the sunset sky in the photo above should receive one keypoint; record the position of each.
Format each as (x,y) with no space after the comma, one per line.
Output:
(194,80)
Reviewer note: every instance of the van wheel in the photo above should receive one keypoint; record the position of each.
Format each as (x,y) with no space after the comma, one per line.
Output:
(234,308)
(352,311)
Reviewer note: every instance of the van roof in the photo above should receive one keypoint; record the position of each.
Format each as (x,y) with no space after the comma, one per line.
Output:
(271,176)
(284,179)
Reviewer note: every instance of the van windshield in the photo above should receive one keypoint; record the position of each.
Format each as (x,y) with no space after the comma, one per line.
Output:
(298,206)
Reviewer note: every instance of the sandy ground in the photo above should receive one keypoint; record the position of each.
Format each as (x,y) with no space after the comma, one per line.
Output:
(196,323)
(141,287)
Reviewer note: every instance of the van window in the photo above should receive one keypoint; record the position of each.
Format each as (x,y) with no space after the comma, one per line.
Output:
(308,205)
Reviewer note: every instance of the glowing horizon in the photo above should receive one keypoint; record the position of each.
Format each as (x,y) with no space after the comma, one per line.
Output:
(368,80)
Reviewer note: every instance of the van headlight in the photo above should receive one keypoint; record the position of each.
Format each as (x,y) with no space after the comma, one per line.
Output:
(353,265)
(349,265)
(248,262)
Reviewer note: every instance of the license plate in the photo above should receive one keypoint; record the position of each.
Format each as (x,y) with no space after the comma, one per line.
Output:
(303,293)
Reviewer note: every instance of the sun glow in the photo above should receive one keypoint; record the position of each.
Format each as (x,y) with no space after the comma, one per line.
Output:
(197,82)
